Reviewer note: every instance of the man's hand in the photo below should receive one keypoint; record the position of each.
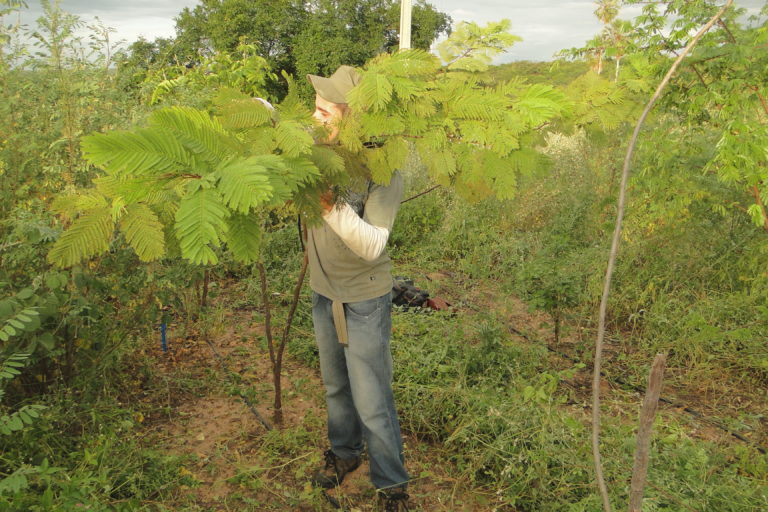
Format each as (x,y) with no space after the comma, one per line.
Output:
(326,201)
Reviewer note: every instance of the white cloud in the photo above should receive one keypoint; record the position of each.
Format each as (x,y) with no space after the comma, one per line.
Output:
(545,26)
(462,15)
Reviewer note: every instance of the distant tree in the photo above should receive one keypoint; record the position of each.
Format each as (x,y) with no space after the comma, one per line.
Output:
(613,41)
(302,37)
(220,25)
(134,62)
(618,34)
(350,32)
(606,12)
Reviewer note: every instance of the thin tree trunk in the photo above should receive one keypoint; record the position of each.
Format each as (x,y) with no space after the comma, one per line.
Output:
(612,261)
(277,416)
(647,415)
(276,353)
(284,341)
(206,281)
(600,62)
(267,312)
(759,201)
(69,354)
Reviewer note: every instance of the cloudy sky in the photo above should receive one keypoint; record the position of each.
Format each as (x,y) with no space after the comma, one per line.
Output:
(546,26)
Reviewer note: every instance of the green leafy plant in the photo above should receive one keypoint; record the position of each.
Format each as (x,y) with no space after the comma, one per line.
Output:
(13,422)
(25,415)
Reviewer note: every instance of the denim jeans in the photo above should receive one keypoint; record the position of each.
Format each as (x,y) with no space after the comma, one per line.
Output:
(358,386)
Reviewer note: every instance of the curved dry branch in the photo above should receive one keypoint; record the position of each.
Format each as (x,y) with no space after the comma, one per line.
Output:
(614,251)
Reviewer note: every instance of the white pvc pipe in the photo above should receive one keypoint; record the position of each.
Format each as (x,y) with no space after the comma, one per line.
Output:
(405,24)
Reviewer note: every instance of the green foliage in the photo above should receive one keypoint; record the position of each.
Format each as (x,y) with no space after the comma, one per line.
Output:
(143,231)
(558,73)
(243,69)
(185,161)
(16,481)
(88,236)
(101,467)
(469,134)
(503,418)
(718,95)
(599,103)
(16,421)
(460,51)
(200,221)
(20,322)
(243,161)
(299,37)
(198,182)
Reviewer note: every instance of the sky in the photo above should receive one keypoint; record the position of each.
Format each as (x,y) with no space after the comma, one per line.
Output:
(546,26)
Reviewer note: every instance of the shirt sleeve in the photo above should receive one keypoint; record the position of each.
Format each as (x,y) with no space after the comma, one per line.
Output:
(367,236)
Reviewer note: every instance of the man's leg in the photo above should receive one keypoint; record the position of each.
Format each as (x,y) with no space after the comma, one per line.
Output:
(369,364)
(344,430)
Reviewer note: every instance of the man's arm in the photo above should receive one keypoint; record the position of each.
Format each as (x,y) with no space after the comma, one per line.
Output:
(367,237)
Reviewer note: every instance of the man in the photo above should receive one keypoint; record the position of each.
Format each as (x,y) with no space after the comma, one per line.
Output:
(351,281)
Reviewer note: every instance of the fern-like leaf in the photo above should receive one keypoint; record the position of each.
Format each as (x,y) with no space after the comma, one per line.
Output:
(196,131)
(69,205)
(166,87)
(141,152)
(440,163)
(244,237)
(244,183)
(405,63)
(143,231)
(242,114)
(397,149)
(201,221)
(540,103)
(292,138)
(327,160)
(349,133)
(373,92)
(129,190)
(383,161)
(301,171)
(377,124)
(478,106)
(88,236)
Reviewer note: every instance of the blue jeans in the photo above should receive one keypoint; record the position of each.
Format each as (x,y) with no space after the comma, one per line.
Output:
(358,386)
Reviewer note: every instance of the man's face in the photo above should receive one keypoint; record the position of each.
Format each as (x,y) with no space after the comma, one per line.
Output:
(329,114)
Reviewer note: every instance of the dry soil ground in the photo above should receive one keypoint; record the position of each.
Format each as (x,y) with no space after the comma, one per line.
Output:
(236,464)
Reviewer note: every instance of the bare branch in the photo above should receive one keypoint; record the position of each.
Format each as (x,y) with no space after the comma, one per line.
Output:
(612,258)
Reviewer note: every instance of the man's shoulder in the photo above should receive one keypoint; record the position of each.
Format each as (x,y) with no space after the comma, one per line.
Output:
(389,192)
(395,181)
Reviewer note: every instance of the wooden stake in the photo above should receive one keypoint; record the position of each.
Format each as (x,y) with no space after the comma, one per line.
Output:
(647,415)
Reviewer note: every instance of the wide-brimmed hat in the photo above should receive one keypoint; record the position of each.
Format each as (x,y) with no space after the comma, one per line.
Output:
(335,87)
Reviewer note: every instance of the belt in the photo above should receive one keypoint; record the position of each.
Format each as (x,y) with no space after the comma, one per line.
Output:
(340,322)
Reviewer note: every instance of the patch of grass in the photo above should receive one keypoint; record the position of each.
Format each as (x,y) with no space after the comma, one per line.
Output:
(503,419)
(92,456)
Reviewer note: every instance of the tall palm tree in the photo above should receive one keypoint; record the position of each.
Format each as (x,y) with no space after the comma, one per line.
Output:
(606,12)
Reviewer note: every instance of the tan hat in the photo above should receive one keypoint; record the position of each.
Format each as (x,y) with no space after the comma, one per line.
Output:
(336,87)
